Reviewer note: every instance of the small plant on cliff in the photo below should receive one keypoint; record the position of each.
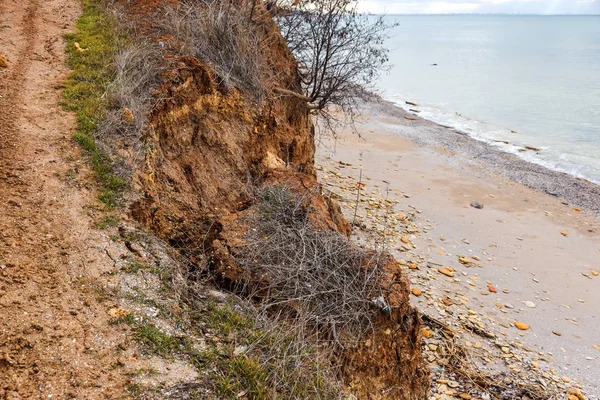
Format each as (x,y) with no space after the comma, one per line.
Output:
(340,52)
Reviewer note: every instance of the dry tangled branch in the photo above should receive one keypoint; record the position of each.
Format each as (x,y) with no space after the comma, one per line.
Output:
(315,279)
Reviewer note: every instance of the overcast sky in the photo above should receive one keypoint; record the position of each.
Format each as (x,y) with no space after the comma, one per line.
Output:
(481,6)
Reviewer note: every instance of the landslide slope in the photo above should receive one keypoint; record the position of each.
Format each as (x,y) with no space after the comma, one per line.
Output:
(210,146)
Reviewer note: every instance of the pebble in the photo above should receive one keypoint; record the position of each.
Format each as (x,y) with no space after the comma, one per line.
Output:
(521,326)
(476,204)
(446,271)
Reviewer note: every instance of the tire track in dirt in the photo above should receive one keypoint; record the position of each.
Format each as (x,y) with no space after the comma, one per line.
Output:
(10,93)
(55,340)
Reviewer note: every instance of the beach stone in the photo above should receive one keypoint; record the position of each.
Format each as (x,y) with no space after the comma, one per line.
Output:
(476,204)
(521,326)
(3,61)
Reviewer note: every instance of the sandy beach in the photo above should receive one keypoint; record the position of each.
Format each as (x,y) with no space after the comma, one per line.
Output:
(530,255)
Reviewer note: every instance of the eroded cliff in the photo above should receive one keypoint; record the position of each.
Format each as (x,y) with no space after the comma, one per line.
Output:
(210,146)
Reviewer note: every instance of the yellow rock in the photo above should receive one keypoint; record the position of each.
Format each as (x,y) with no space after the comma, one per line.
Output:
(412,266)
(127,116)
(575,394)
(271,161)
(425,332)
(416,291)
(117,312)
(404,239)
(521,325)
(3,61)
(446,271)
(565,379)
(595,273)
(466,261)
(564,233)
(79,48)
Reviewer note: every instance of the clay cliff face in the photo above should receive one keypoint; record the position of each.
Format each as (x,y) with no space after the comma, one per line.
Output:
(208,147)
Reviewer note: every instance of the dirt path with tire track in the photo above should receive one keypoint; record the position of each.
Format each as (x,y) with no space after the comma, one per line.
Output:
(55,340)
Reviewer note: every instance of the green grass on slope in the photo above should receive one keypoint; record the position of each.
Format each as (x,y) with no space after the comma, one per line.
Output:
(90,53)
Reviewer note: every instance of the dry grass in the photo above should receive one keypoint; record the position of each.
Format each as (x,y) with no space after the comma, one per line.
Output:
(130,94)
(313,279)
(223,36)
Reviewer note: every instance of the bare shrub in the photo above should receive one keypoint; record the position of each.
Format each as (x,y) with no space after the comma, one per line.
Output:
(258,353)
(222,35)
(340,53)
(315,280)
(131,92)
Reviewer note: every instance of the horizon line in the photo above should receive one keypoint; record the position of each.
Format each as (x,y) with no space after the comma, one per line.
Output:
(491,14)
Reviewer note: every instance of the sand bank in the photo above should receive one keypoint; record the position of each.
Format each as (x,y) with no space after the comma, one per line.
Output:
(533,249)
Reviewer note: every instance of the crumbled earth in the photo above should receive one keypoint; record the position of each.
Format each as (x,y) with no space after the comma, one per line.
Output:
(469,354)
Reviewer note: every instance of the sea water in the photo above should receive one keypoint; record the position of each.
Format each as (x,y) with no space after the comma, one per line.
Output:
(527,80)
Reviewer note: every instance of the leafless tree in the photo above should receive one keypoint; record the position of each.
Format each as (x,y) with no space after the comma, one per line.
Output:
(340,52)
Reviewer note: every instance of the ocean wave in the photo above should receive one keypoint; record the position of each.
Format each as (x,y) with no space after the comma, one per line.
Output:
(503,139)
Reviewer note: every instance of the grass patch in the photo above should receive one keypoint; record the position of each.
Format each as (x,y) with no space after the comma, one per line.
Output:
(91,53)
(158,342)
(133,266)
(109,221)
(259,359)
(226,320)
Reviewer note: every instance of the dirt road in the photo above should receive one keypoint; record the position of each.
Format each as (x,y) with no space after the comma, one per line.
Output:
(55,341)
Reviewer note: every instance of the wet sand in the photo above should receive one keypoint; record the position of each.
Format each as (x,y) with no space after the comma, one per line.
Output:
(537,237)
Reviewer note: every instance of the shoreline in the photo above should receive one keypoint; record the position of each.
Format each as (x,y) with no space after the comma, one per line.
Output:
(578,191)
(533,257)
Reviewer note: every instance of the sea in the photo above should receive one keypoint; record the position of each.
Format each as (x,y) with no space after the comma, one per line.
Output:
(525,80)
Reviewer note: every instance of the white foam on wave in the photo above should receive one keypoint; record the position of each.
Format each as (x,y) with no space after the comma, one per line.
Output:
(494,136)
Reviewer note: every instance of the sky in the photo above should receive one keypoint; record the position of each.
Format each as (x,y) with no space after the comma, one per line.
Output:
(481,6)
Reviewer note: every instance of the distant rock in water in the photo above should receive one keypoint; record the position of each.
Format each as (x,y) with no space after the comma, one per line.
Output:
(434,65)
